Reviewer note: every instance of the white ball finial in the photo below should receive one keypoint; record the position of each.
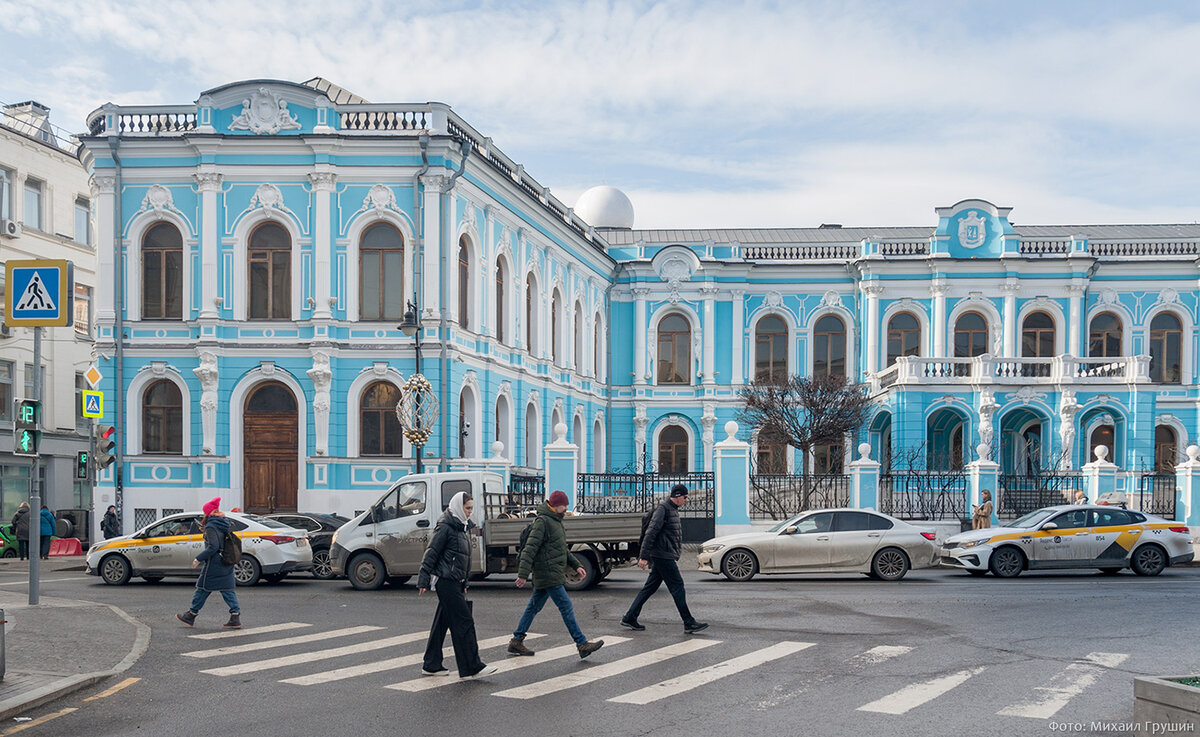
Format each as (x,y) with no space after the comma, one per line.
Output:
(497,449)
(864,450)
(1193,453)
(560,432)
(983,450)
(731,429)
(1101,452)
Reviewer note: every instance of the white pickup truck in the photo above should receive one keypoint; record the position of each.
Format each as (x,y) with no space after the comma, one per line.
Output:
(388,541)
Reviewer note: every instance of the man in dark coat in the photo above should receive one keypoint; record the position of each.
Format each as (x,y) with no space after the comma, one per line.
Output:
(547,555)
(660,549)
(110,526)
(20,523)
(217,575)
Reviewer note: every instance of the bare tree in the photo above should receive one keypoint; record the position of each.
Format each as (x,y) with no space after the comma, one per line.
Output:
(806,413)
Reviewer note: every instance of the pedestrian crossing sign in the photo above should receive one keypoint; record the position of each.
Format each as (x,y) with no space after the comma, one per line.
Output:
(93,404)
(39,292)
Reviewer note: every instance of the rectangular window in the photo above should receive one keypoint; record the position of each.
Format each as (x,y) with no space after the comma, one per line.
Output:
(81,423)
(83,221)
(6,390)
(83,310)
(33,204)
(29,382)
(6,193)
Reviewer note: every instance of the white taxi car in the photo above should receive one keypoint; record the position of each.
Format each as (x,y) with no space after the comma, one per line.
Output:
(1074,536)
(270,550)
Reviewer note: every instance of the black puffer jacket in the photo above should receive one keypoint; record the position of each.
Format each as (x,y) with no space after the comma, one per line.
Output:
(449,553)
(664,534)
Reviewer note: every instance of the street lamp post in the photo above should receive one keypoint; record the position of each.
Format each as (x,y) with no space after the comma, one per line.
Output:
(417,409)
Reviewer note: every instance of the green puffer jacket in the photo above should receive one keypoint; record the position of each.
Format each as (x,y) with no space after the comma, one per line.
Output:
(546,553)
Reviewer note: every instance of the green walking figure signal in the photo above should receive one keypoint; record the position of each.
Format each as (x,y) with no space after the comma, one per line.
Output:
(27,430)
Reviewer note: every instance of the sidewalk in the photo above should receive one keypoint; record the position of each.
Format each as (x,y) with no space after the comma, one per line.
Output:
(60,645)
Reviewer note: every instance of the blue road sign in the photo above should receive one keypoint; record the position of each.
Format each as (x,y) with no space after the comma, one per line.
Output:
(93,404)
(40,292)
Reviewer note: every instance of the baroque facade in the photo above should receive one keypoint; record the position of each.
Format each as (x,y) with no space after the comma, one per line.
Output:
(268,238)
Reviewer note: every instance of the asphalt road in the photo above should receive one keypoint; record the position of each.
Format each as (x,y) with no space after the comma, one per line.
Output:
(937,653)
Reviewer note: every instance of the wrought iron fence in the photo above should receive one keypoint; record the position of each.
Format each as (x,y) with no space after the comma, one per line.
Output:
(931,495)
(1155,495)
(525,494)
(602,493)
(1020,495)
(779,496)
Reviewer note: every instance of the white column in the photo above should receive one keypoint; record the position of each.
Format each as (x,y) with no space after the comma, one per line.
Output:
(106,250)
(738,337)
(487,280)
(209,183)
(938,290)
(432,245)
(709,335)
(639,336)
(1076,329)
(323,184)
(873,291)
(1010,317)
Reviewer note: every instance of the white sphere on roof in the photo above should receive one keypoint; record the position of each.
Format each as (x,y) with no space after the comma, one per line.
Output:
(605,207)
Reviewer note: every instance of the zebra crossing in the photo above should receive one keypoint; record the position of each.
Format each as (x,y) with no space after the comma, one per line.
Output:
(237,653)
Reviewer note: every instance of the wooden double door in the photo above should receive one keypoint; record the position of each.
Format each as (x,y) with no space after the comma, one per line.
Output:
(270,450)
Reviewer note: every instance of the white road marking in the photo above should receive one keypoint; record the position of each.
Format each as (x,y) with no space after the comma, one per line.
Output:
(606,670)
(380,666)
(425,683)
(877,655)
(914,695)
(268,644)
(1064,686)
(40,581)
(712,673)
(315,655)
(250,631)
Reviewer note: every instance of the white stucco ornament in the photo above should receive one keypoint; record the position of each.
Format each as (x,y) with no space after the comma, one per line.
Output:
(158,198)
(972,230)
(267,196)
(264,112)
(1168,297)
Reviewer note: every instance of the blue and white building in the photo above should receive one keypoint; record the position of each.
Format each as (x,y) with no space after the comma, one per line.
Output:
(261,245)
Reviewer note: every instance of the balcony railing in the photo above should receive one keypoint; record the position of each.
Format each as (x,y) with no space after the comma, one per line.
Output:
(988,369)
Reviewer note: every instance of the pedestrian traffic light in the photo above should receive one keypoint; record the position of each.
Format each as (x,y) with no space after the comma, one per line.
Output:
(81,464)
(27,430)
(106,442)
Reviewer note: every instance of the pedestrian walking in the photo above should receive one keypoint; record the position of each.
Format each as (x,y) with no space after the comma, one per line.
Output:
(445,568)
(48,529)
(20,524)
(109,525)
(660,548)
(217,573)
(1080,497)
(546,555)
(981,519)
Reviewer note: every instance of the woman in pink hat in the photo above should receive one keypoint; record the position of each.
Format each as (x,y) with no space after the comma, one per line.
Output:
(217,575)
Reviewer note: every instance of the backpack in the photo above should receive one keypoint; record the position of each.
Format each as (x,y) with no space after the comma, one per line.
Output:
(231,549)
(524,538)
(645,524)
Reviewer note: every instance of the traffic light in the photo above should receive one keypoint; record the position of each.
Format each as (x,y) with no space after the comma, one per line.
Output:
(106,442)
(81,464)
(27,430)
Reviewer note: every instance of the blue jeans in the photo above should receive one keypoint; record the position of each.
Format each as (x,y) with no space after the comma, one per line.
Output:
(201,596)
(562,601)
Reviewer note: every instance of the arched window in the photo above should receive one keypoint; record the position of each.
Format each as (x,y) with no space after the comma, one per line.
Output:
(771,453)
(532,456)
(903,336)
(1104,337)
(381,273)
(579,362)
(970,335)
(379,429)
(556,328)
(464,285)
(674,350)
(673,450)
(770,350)
(1037,336)
(501,279)
(598,348)
(503,423)
(1166,450)
(1166,341)
(598,462)
(580,441)
(162,418)
(162,273)
(270,257)
(1102,435)
(531,315)
(829,347)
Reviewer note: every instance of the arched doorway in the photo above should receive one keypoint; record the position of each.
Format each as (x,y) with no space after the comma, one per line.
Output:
(945,440)
(270,445)
(1022,443)
(673,450)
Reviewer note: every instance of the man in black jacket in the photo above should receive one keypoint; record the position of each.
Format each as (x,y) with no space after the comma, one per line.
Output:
(660,550)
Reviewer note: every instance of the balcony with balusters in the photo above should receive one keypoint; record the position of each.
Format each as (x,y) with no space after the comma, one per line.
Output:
(989,369)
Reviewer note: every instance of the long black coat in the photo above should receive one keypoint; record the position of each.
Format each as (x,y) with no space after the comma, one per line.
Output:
(215,574)
(449,553)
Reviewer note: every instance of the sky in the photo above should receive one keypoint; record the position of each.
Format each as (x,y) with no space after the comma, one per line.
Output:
(707,114)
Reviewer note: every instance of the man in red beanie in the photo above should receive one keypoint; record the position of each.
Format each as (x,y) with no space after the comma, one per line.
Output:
(547,554)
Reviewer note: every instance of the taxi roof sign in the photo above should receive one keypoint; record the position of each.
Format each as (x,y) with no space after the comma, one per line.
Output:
(39,292)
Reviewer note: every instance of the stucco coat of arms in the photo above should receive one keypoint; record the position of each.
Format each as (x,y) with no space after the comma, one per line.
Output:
(265,112)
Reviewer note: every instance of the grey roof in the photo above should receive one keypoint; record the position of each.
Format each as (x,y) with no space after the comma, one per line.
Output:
(621,237)
(336,94)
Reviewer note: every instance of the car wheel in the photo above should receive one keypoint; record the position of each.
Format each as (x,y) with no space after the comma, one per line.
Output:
(247,571)
(1148,560)
(889,564)
(115,570)
(275,577)
(1110,571)
(590,573)
(366,572)
(976,573)
(153,579)
(10,553)
(739,565)
(322,565)
(1007,562)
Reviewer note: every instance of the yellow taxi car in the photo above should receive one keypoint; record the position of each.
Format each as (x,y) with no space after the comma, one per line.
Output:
(270,550)
(1074,536)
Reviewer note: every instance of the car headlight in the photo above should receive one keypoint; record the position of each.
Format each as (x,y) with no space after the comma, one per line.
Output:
(711,548)
(333,540)
(973,543)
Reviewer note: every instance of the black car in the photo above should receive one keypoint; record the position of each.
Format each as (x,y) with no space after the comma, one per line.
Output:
(320,532)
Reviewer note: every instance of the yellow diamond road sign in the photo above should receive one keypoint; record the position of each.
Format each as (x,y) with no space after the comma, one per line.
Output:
(93,404)
(93,376)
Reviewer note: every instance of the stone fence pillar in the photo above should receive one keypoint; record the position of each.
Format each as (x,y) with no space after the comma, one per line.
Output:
(864,480)
(1099,476)
(731,472)
(983,475)
(1187,488)
(561,459)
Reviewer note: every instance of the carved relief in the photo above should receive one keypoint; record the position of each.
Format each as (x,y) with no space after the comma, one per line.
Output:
(264,112)
(268,197)
(158,198)
(773,299)
(1168,297)
(831,299)
(322,377)
(209,378)
(1108,297)
(1067,410)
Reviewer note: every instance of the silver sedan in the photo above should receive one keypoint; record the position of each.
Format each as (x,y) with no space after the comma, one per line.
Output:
(824,541)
